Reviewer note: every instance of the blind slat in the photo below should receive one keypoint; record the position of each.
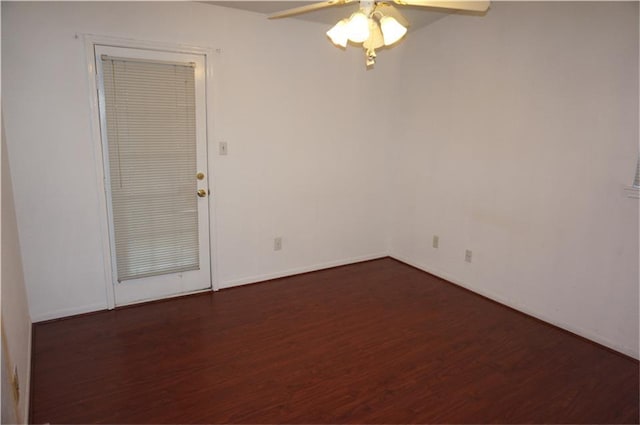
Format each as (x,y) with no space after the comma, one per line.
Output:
(150,126)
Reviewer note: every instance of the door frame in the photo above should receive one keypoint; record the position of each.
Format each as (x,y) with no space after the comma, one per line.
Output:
(210,57)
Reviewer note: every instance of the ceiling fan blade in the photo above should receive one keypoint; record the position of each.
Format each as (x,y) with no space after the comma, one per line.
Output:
(308,8)
(473,5)
(389,10)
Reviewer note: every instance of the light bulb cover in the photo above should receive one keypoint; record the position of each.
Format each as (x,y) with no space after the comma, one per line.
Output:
(392,30)
(338,33)
(358,27)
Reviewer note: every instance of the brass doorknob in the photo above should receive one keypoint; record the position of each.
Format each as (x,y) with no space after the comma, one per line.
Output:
(202,193)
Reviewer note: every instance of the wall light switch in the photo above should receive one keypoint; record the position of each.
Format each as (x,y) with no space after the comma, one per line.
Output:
(223,148)
(277,244)
(436,241)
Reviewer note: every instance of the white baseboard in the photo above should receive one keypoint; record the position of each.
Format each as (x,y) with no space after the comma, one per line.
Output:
(58,314)
(298,270)
(629,351)
(243,281)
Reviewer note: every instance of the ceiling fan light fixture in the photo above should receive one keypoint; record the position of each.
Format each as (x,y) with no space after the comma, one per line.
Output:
(338,33)
(378,23)
(392,30)
(358,27)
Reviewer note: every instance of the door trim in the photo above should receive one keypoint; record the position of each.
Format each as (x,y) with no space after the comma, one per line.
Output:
(211,57)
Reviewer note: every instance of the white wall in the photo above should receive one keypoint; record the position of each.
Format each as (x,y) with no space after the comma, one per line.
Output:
(16,323)
(301,164)
(520,131)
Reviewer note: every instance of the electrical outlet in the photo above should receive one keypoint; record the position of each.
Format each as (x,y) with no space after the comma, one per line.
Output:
(223,148)
(436,241)
(15,384)
(467,255)
(277,244)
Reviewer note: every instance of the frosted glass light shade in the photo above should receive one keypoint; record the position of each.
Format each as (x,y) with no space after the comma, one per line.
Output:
(358,27)
(392,30)
(338,34)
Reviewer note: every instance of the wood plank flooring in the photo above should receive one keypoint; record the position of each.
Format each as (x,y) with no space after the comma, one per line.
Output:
(374,342)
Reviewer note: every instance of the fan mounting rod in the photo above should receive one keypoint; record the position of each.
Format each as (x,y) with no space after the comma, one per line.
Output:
(367,6)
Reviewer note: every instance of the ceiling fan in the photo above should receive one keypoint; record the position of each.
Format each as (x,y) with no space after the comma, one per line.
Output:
(378,23)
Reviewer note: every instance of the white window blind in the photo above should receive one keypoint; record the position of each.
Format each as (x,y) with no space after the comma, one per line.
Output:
(151,136)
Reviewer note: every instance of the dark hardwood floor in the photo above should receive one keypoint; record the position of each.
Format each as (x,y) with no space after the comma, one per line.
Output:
(374,342)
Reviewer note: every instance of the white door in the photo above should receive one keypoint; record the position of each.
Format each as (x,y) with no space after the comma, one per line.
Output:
(153,128)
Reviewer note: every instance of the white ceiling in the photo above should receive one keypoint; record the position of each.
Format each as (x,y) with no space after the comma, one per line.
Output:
(417,16)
